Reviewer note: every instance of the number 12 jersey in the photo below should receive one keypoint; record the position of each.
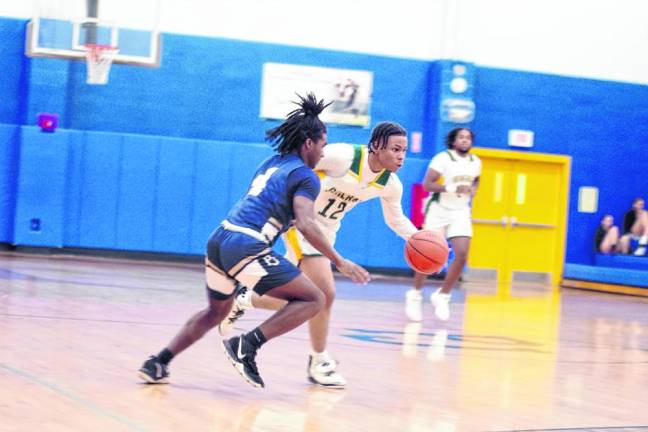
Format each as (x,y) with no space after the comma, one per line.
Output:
(347,180)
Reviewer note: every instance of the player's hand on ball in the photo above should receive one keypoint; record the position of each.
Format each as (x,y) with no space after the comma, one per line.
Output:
(353,271)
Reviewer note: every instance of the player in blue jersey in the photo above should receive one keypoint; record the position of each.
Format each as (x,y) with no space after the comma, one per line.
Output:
(239,251)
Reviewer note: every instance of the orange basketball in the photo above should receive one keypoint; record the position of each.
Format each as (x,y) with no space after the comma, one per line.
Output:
(426,252)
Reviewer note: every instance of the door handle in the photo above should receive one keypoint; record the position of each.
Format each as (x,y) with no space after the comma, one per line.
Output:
(502,222)
(515,223)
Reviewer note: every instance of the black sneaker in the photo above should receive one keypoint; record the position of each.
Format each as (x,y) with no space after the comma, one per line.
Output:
(154,372)
(242,357)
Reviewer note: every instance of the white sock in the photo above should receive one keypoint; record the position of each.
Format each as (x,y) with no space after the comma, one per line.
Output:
(643,240)
(245,300)
(320,357)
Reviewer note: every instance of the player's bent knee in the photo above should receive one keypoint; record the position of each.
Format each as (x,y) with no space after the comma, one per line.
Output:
(329,295)
(317,299)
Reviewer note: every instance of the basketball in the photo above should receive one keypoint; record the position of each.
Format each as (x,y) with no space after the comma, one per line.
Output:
(426,252)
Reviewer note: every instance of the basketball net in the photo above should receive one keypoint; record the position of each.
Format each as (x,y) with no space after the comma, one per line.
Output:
(98,60)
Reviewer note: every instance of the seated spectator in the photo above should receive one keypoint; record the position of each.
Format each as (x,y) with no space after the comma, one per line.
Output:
(635,227)
(607,236)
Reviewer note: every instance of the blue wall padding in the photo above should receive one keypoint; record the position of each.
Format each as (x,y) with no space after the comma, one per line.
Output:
(41,188)
(174,189)
(8,180)
(621,276)
(160,194)
(101,194)
(74,188)
(622,261)
(138,194)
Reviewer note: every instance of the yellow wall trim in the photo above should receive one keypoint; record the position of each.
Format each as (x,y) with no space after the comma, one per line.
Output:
(518,155)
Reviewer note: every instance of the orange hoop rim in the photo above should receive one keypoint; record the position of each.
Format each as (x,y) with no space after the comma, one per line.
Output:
(100,47)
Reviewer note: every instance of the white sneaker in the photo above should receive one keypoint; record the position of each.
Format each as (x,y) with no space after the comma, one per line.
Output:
(414,305)
(242,302)
(441,303)
(640,251)
(323,373)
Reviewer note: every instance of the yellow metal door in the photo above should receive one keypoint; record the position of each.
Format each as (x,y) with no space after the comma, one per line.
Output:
(519,213)
(491,207)
(535,216)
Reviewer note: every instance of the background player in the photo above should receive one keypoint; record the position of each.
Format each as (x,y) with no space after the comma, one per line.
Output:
(284,188)
(448,211)
(350,174)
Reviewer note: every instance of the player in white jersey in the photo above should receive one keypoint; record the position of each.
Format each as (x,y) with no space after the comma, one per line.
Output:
(448,211)
(349,174)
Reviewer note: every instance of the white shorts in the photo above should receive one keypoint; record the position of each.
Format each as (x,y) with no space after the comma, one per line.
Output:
(297,246)
(455,223)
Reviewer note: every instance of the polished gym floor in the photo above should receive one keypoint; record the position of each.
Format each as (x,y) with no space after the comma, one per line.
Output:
(74,330)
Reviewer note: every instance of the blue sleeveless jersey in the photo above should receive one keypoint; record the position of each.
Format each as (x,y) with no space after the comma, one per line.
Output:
(267,207)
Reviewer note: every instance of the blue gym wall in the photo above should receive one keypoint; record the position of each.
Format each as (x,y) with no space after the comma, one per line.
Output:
(152,161)
(209,89)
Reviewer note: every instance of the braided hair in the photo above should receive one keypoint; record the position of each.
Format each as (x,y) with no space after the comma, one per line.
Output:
(300,124)
(381,133)
(452,135)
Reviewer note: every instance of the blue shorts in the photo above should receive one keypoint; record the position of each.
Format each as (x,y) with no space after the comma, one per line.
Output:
(237,256)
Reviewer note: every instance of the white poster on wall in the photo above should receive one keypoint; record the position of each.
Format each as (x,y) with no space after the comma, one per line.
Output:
(348,90)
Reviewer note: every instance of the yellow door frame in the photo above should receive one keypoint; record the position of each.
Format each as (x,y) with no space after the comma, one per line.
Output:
(565,164)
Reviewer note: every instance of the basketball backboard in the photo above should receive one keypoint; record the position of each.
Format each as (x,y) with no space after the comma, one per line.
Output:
(64,28)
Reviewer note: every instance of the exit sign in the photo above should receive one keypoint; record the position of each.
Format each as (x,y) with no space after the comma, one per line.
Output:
(520,138)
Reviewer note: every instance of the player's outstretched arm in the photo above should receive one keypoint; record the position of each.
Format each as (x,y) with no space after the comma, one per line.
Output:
(393,210)
(305,223)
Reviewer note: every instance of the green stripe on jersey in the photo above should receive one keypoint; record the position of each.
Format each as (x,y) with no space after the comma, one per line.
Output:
(435,197)
(384,177)
(357,159)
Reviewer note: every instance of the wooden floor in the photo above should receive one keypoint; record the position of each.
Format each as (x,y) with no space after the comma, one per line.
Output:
(73,332)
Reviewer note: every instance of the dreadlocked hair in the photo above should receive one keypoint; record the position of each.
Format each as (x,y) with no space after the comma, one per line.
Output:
(452,135)
(300,124)
(381,133)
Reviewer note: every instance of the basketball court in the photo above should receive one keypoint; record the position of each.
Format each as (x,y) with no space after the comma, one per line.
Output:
(516,355)
(512,357)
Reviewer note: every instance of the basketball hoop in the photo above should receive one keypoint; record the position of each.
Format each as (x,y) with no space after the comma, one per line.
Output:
(98,59)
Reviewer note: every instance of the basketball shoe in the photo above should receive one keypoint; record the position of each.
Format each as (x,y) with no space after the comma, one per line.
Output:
(154,372)
(414,305)
(242,302)
(441,303)
(323,373)
(241,354)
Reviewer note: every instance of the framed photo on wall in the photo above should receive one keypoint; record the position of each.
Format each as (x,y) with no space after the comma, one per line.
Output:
(349,90)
